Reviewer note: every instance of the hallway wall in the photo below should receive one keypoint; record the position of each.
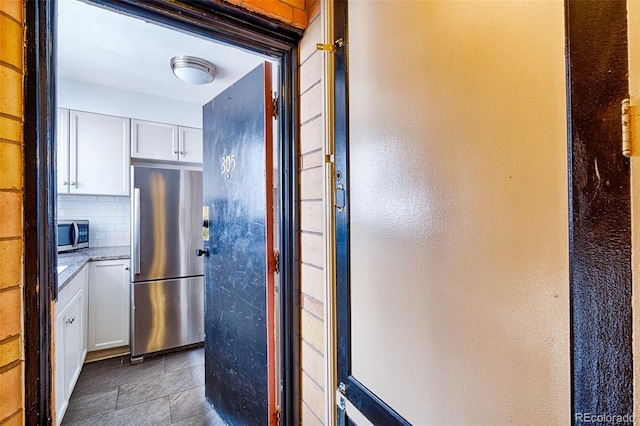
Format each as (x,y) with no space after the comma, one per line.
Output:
(311,223)
(11,234)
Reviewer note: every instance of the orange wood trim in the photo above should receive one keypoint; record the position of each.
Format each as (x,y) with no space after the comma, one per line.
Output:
(271,339)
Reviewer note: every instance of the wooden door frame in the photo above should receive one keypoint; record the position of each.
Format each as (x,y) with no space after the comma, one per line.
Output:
(599,209)
(216,20)
(600,281)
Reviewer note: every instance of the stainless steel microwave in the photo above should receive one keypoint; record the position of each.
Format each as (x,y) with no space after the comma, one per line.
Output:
(73,234)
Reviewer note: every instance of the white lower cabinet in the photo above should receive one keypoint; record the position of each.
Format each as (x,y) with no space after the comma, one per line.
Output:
(70,339)
(109,304)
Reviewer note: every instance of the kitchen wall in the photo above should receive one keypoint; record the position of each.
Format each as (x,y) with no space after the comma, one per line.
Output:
(109,217)
(11,232)
(83,96)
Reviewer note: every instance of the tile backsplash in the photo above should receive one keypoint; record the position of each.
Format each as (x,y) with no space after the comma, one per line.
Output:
(109,217)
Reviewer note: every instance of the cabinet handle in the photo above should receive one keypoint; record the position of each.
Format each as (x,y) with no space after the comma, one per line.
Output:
(182,153)
(65,183)
(126,268)
(70,320)
(73,183)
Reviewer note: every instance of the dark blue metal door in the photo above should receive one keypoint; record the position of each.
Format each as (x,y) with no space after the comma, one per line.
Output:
(237,171)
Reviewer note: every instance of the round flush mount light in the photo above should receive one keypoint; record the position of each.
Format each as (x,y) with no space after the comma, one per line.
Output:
(193,70)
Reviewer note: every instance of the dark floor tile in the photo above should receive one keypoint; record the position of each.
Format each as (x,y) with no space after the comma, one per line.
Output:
(101,368)
(156,387)
(180,360)
(82,406)
(151,413)
(188,403)
(210,418)
(110,376)
(117,361)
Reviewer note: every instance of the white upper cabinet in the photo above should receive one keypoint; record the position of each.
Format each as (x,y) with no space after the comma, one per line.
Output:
(165,142)
(190,145)
(62,145)
(96,158)
(99,153)
(154,141)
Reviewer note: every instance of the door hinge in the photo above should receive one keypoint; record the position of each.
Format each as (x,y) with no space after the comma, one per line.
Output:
(274,101)
(276,262)
(277,415)
(342,405)
(626,127)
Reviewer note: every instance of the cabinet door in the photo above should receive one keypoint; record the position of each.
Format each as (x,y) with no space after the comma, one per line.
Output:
(62,146)
(108,304)
(73,341)
(99,150)
(154,141)
(62,400)
(82,281)
(70,339)
(190,145)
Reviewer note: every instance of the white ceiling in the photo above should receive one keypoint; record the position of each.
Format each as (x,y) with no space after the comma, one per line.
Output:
(99,46)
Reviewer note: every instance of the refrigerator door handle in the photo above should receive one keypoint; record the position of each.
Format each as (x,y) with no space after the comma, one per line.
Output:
(135,252)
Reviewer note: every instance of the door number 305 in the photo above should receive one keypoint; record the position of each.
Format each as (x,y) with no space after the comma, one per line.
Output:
(228,165)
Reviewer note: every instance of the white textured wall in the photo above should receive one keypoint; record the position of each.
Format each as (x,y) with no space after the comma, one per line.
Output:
(459,216)
(109,217)
(311,228)
(90,97)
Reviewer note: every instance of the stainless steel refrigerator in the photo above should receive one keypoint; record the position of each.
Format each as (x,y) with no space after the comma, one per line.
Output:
(167,309)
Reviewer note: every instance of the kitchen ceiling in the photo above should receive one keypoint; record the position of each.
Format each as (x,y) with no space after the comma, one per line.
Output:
(98,46)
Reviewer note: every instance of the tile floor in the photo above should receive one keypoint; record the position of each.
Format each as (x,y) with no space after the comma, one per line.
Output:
(165,390)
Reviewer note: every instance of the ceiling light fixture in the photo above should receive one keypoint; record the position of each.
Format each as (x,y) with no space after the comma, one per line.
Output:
(193,70)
